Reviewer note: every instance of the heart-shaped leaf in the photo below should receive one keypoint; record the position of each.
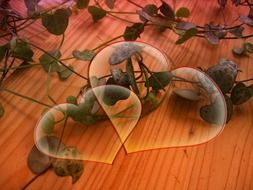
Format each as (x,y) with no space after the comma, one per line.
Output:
(67,167)
(240,94)
(167,11)
(133,32)
(187,35)
(64,73)
(159,80)
(22,51)
(39,162)
(96,13)
(57,22)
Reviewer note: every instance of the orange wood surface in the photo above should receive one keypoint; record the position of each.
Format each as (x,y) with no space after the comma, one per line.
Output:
(224,163)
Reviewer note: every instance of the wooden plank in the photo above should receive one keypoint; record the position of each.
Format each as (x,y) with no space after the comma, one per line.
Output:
(224,163)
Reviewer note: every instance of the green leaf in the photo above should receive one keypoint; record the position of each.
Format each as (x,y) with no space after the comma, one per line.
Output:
(110,3)
(22,51)
(187,35)
(96,13)
(57,22)
(64,72)
(67,167)
(47,60)
(131,76)
(183,12)
(3,50)
(86,55)
(159,80)
(1,110)
(81,4)
(72,100)
(133,32)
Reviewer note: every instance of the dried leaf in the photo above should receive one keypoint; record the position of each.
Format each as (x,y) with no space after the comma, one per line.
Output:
(67,167)
(81,4)
(85,55)
(110,3)
(57,22)
(183,12)
(133,32)
(159,80)
(167,11)
(96,13)
(39,162)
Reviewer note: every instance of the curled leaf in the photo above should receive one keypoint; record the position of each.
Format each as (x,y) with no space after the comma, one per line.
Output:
(248,46)
(96,13)
(120,77)
(230,107)
(66,167)
(57,22)
(131,76)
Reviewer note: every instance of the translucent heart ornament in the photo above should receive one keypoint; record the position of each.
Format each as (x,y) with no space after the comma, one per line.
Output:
(86,125)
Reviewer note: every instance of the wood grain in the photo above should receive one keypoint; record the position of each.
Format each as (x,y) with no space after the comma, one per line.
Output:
(224,163)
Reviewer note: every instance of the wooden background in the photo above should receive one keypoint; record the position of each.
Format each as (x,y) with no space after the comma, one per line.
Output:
(224,163)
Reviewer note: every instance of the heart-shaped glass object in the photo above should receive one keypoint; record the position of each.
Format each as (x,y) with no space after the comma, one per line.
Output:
(193,112)
(132,65)
(86,125)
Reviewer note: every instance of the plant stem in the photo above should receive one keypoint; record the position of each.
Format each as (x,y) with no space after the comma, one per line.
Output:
(48,84)
(62,40)
(54,58)
(25,97)
(107,42)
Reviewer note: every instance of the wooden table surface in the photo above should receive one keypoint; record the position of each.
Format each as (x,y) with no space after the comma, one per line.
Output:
(224,163)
